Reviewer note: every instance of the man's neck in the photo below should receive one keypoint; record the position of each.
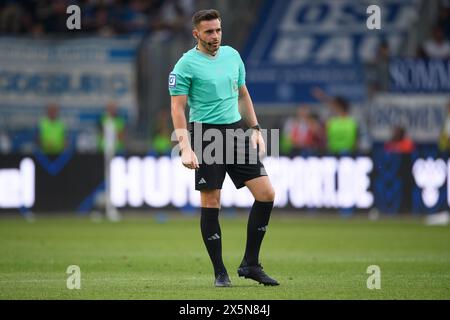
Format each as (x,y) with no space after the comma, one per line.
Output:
(202,49)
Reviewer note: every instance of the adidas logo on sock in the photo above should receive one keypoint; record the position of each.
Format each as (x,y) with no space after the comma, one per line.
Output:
(263,229)
(215,236)
(202,181)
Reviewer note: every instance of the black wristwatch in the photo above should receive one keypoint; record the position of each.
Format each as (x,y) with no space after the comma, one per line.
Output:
(257,127)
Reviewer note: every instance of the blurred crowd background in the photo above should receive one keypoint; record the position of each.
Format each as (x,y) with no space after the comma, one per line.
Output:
(157,32)
(102,18)
(329,120)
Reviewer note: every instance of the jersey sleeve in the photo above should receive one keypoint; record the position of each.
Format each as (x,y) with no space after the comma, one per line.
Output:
(180,79)
(241,79)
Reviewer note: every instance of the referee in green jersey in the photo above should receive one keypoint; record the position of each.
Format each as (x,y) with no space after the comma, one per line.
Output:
(210,78)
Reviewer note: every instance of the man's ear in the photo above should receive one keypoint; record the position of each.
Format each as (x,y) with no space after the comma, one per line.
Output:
(195,33)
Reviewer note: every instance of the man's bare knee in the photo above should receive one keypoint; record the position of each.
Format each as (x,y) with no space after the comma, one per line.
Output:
(266,195)
(210,199)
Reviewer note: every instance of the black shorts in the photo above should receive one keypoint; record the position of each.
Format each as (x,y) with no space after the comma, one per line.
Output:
(234,155)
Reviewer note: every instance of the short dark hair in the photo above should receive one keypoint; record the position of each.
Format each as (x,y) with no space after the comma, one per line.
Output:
(342,103)
(205,15)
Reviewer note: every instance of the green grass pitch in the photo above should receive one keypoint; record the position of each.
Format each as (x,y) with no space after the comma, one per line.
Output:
(141,258)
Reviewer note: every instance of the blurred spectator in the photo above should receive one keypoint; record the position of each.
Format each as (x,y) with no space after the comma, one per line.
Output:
(377,71)
(285,145)
(444,137)
(399,142)
(37,30)
(303,133)
(172,18)
(10,17)
(134,18)
(103,24)
(341,127)
(161,143)
(437,47)
(444,22)
(55,17)
(444,18)
(165,18)
(118,123)
(317,129)
(295,131)
(52,132)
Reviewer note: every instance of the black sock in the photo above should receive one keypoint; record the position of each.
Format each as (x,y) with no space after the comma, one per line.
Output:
(212,237)
(256,229)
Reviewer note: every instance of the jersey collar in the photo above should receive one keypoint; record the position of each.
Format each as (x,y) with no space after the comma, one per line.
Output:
(208,55)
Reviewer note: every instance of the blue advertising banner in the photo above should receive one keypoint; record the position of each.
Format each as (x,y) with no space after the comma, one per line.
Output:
(423,116)
(418,75)
(80,75)
(300,44)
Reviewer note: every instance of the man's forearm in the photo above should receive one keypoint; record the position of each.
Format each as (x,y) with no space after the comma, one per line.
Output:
(180,125)
(247,111)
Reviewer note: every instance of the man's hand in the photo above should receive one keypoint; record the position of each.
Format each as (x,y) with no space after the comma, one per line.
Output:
(189,159)
(319,94)
(257,140)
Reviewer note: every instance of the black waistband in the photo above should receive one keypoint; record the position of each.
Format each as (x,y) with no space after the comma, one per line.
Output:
(233,125)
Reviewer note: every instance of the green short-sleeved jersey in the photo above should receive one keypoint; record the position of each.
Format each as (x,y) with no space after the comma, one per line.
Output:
(341,134)
(52,135)
(210,83)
